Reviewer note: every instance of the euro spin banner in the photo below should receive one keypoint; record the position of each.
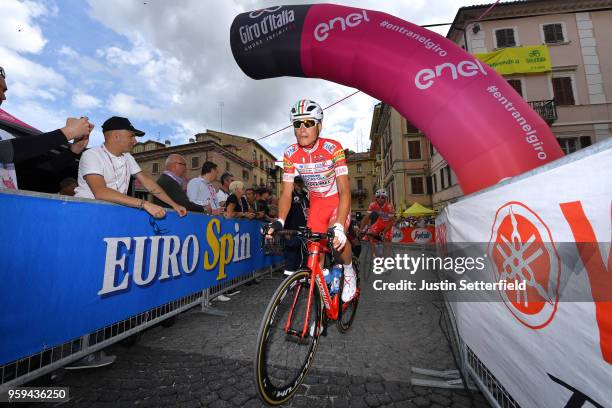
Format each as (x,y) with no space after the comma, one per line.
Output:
(552,342)
(70,267)
(480,125)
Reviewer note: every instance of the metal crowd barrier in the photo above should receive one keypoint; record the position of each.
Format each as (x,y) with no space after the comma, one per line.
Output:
(50,359)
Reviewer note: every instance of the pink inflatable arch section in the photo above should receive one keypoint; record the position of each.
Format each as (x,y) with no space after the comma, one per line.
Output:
(473,117)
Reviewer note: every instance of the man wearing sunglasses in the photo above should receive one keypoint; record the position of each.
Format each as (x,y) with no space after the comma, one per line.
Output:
(382,210)
(322,165)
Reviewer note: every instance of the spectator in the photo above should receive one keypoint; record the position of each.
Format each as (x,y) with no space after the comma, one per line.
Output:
(15,150)
(104,171)
(236,204)
(67,186)
(273,204)
(201,191)
(172,182)
(224,192)
(249,193)
(261,196)
(295,253)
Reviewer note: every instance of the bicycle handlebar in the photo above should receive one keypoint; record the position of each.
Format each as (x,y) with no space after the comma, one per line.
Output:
(305,233)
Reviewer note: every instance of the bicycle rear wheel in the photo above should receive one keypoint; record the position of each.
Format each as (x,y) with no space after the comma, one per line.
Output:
(349,309)
(283,357)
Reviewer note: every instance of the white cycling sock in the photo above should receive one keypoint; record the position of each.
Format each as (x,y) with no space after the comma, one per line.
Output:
(349,287)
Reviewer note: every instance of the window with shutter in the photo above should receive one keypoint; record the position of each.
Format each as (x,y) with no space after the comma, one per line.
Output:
(553,33)
(505,38)
(562,89)
(414,149)
(155,168)
(417,185)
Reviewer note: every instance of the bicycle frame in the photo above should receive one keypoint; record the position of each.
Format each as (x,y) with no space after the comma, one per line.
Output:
(332,309)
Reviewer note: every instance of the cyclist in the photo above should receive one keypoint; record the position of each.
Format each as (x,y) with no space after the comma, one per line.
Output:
(322,165)
(382,210)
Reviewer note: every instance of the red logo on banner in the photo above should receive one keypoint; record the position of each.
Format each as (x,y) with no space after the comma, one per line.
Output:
(522,249)
(421,235)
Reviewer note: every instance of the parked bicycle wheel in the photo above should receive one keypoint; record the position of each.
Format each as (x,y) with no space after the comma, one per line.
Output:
(349,310)
(283,355)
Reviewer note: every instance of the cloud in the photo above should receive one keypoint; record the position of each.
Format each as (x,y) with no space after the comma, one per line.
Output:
(181,57)
(172,66)
(39,116)
(29,80)
(17,31)
(128,106)
(81,100)
(67,52)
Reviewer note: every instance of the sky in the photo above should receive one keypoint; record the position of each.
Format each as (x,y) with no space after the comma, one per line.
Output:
(168,67)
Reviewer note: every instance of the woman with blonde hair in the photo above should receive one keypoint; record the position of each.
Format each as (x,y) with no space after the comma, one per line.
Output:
(237,205)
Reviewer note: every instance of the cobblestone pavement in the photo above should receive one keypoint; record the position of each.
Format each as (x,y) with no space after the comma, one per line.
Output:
(206,360)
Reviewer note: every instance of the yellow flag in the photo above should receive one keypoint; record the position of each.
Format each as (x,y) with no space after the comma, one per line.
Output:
(518,60)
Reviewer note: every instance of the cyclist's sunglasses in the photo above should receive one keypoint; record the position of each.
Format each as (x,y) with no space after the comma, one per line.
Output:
(2,73)
(308,123)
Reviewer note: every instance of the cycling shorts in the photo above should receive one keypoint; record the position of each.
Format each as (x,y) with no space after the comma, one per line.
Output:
(379,226)
(323,214)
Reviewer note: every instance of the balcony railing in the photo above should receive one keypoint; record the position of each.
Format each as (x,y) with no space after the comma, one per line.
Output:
(359,193)
(546,109)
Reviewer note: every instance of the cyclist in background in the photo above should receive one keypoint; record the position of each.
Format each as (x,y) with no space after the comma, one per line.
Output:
(322,165)
(380,230)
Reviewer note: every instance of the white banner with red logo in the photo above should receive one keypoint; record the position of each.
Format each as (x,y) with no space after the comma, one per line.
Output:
(553,230)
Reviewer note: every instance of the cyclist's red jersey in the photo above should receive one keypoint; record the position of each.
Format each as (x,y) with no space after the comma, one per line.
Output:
(318,167)
(384,213)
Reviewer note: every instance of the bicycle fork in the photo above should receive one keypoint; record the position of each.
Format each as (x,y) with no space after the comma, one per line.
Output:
(288,329)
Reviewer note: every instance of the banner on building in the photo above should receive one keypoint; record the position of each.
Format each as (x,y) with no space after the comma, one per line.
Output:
(551,342)
(518,60)
(70,267)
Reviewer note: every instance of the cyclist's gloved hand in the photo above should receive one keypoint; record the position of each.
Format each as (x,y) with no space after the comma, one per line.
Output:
(339,236)
(269,229)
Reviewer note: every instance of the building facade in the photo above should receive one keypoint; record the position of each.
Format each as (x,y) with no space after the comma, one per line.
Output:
(363,181)
(573,97)
(264,172)
(231,153)
(401,154)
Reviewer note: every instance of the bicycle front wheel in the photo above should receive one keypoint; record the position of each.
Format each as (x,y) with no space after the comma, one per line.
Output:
(284,351)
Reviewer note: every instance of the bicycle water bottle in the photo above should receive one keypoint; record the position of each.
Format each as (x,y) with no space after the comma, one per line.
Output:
(327,276)
(336,274)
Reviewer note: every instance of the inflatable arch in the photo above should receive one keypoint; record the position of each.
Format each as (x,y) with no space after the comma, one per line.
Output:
(474,118)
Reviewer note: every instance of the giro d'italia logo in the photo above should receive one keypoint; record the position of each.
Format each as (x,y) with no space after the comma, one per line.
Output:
(258,13)
(521,248)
